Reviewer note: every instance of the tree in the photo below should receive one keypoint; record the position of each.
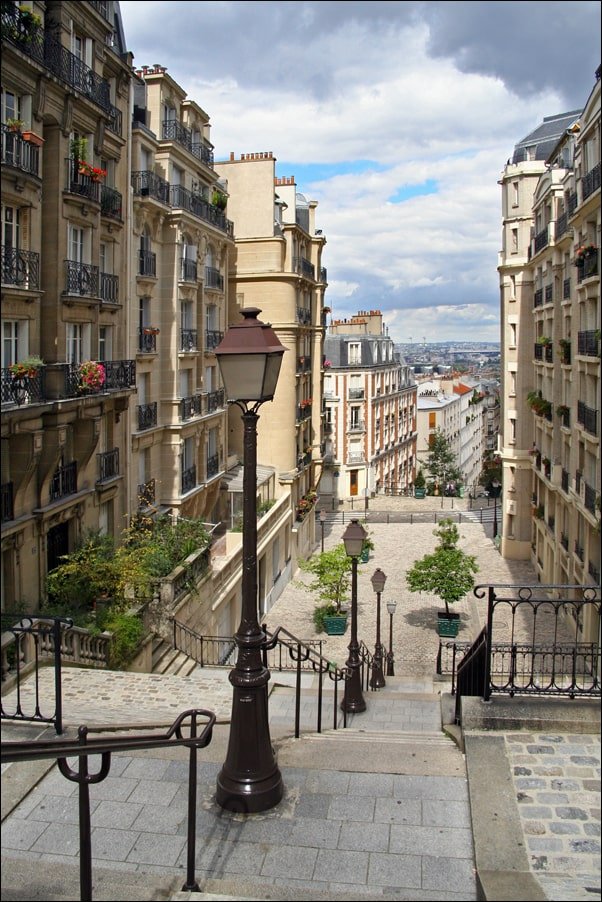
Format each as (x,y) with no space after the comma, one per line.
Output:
(447,572)
(332,572)
(441,461)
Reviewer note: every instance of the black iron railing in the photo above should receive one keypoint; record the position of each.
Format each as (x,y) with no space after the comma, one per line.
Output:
(64,481)
(20,268)
(19,153)
(109,288)
(8,509)
(212,465)
(541,240)
(215,400)
(111,202)
(188,270)
(192,729)
(108,465)
(538,297)
(304,267)
(27,641)
(191,407)
(22,390)
(212,339)
(146,184)
(80,182)
(146,493)
(175,131)
(562,224)
(589,497)
(188,479)
(587,417)
(213,278)
(81,279)
(184,199)
(146,415)
(566,289)
(588,343)
(590,181)
(188,339)
(147,264)
(531,645)
(147,339)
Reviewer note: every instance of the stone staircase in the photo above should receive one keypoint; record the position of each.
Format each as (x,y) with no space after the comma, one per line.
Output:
(169,660)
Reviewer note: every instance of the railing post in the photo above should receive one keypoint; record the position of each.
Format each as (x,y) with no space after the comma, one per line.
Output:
(298,692)
(191,885)
(489,639)
(58,688)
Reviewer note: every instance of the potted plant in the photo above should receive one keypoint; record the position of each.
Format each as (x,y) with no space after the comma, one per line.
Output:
(219,199)
(583,252)
(544,340)
(419,485)
(447,572)
(91,376)
(331,583)
(562,410)
(14,125)
(27,368)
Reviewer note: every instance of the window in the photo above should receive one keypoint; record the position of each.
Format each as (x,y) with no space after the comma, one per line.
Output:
(105,342)
(11,228)
(432,419)
(186,315)
(105,518)
(211,318)
(354,353)
(188,454)
(185,383)
(11,105)
(354,417)
(514,194)
(78,345)
(14,341)
(512,334)
(144,312)
(514,241)
(512,287)
(76,244)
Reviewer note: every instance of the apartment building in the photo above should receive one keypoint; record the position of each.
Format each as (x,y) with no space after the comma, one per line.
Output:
(369,412)
(65,111)
(182,241)
(550,304)
(277,267)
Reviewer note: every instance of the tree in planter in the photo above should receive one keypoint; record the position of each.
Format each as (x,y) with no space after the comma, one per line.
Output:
(441,462)
(447,572)
(331,584)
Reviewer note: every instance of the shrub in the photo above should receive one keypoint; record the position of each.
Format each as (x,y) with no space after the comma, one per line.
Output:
(127,632)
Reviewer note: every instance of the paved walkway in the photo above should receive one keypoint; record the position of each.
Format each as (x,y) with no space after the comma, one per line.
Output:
(363,816)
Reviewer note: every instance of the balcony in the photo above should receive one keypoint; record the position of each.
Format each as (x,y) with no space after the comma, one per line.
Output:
(147,339)
(589,498)
(188,479)
(147,264)
(212,465)
(19,153)
(213,278)
(109,288)
(175,131)
(146,416)
(20,268)
(119,374)
(303,316)
(566,289)
(191,407)
(61,381)
(356,426)
(593,571)
(188,340)
(111,203)
(212,339)
(45,49)
(538,297)
(587,417)
(564,541)
(64,481)
(590,182)
(356,394)
(588,343)
(115,120)
(8,511)
(304,267)
(303,411)
(182,198)
(572,202)
(146,184)
(540,241)
(188,270)
(303,364)
(81,279)
(23,390)
(215,400)
(579,550)
(80,183)
(588,269)
(562,224)
(549,294)
(564,481)
(108,465)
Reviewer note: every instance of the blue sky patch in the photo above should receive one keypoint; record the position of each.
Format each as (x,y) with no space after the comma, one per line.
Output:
(319,172)
(407,192)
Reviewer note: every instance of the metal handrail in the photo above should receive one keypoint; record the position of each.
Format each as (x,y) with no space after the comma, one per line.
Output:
(84,746)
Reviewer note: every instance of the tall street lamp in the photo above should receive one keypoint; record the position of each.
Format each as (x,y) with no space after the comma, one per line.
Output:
(249,358)
(377,680)
(391,605)
(353,700)
(322,521)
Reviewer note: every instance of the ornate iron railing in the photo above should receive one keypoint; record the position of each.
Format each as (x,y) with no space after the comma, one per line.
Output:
(212,466)
(213,278)
(111,202)
(304,267)
(64,481)
(19,153)
(147,264)
(191,407)
(188,270)
(8,510)
(147,415)
(215,400)
(212,339)
(587,417)
(146,184)
(108,464)
(22,389)
(175,131)
(188,339)
(80,182)
(119,374)
(588,343)
(590,181)
(81,279)
(109,288)
(20,268)
(183,732)
(188,479)
(147,339)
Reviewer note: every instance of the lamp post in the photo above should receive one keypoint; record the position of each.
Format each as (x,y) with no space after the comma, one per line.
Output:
(249,358)
(377,680)
(322,521)
(353,700)
(391,605)
(495,487)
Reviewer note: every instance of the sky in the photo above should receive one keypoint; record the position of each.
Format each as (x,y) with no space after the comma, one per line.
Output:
(396,117)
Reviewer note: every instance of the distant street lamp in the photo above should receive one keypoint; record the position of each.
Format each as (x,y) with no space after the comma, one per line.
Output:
(249,358)
(391,605)
(377,680)
(322,521)
(353,700)
(495,489)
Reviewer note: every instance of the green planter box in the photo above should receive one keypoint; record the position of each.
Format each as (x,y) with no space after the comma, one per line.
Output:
(448,627)
(335,625)
(419,493)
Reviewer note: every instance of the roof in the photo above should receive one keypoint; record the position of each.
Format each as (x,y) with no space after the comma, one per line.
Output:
(232,481)
(545,137)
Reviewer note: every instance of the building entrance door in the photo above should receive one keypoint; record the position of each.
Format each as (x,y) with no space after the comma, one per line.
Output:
(57,544)
(353,482)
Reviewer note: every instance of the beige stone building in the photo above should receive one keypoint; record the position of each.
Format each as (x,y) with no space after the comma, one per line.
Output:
(65,269)
(277,267)
(550,305)
(370,413)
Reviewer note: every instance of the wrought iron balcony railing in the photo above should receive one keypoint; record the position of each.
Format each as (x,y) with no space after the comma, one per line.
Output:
(212,465)
(115,120)
(20,268)
(191,407)
(587,417)
(304,267)
(119,374)
(562,224)
(175,131)
(304,316)
(188,270)
(146,184)
(566,289)
(538,297)
(588,343)
(81,279)
(589,498)
(184,199)
(146,415)
(356,394)
(22,390)
(215,400)
(19,153)
(541,240)
(188,479)
(188,339)
(590,181)
(147,339)
(80,182)
(589,268)
(572,202)
(212,339)
(564,480)
(147,264)
(64,481)
(108,465)
(109,288)
(213,278)
(111,202)
(19,30)
(146,493)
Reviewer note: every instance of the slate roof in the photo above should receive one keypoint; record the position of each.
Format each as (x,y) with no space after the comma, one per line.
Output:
(545,137)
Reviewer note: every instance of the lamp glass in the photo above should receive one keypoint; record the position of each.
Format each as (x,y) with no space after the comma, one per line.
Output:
(378,580)
(249,357)
(353,538)
(391,605)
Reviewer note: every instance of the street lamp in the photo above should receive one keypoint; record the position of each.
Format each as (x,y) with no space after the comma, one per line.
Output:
(322,521)
(249,358)
(391,605)
(377,680)
(495,487)
(353,700)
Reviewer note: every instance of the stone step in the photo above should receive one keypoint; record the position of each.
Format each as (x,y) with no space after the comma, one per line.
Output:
(403,737)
